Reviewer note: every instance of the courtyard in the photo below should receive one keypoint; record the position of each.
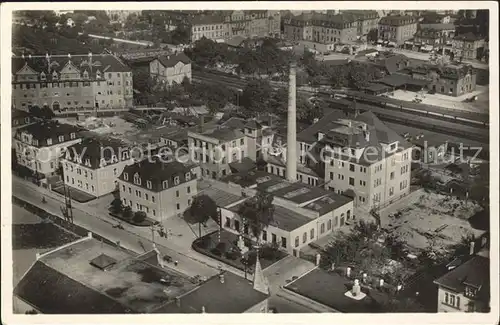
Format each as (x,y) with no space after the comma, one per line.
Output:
(426,218)
(481,105)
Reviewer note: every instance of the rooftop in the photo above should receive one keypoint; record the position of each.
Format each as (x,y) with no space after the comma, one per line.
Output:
(469,37)
(171,60)
(96,148)
(283,218)
(235,295)
(100,62)
(66,281)
(223,134)
(156,172)
(49,129)
(328,203)
(475,272)
(221,198)
(329,289)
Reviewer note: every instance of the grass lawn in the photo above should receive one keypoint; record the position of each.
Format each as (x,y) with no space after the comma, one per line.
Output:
(227,250)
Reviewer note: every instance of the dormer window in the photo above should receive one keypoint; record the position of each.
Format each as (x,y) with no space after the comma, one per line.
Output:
(148,184)
(85,74)
(137,179)
(42,76)
(72,136)
(98,74)
(61,138)
(165,185)
(87,162)
(125,176)
(125,155)
(470,292)
(114,159)
(103,162)
(49,142)
(176,180)
(54,75)
(188,176)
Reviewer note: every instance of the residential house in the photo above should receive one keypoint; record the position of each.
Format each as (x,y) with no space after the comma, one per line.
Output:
(39,146)
(362,158)
(253,23)
(433,36)
(20,118)
(366,20)
(397,29)
(216,148)
(208,26)
(452,80)
(94,165)
(161,190)
(170,69)
(71,83)
(466,288)
(467,46)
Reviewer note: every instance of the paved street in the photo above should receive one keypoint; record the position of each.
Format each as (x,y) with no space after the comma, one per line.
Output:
(138,239)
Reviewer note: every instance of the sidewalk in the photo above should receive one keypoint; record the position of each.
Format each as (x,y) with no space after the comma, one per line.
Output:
(133,238)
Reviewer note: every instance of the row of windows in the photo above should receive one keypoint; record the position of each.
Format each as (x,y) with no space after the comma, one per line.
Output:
(80,184)
(138,181)
(281,172)
(403,185)
(139,193)
(67,84)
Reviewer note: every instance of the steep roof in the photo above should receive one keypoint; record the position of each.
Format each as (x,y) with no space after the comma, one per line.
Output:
(50,129)
(259,280)
(398,20)
(156,172)
(171,60)
(235,295)
(475,272)
(92,150)
(100,62)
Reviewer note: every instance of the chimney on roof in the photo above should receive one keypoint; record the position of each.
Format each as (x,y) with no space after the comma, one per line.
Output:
(221,277)
(471,248)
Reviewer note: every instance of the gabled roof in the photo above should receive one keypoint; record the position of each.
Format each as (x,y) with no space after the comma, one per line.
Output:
(95,149)
(171,60)
(50,129)
(475,272)
(235,295)
(100,62)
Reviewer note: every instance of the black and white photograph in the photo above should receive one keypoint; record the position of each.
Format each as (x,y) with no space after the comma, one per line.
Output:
(288,160)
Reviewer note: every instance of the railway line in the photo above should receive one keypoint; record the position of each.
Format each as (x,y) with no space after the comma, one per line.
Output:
(471,125)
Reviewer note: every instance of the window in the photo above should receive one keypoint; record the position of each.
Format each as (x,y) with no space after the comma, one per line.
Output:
(322,228)
(264,235)
(125,176)
(61,138)
(283,242)
(391,191)
(351,181)
(165,184)
(329,225)
(189,189)
(177,193)
(273,238)
(176,180)
(392,176)
(312,233)
(304,237)
(152,198)
(178,206)
(331,175)
(351,167)
(452,300)
(242,141)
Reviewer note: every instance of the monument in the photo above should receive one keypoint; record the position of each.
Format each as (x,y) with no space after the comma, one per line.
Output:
(241,245)
(355,293)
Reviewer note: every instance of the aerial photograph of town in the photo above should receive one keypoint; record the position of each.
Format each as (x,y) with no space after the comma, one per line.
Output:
(250,161)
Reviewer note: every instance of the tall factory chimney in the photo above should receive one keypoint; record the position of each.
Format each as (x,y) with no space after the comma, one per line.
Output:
(291,150)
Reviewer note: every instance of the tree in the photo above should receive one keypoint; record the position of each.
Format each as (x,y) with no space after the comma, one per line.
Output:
(372,35)
(257,212)
(127,213)
(117,205)
(366,229)
(202,209)
(256,95)
(140,216)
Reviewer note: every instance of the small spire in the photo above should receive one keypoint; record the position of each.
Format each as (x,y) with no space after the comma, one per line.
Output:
(259,280)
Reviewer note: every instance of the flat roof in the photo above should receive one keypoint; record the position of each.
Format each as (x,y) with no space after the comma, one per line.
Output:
(221,198)
(329,289)
(328,203)
(130,285)
(284,218)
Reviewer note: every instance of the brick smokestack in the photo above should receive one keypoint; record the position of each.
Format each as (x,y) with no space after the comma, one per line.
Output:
(291,151)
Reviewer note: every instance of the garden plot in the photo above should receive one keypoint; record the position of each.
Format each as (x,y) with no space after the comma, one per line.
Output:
(424,219)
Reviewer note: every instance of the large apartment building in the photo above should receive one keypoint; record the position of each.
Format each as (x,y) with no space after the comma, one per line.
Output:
(208,26)
(360,157)
(322,30)
(253,23)
(71,83)
(214,149)
(160,189)
(397,29)
(39,146)
(94,165)
(366,20)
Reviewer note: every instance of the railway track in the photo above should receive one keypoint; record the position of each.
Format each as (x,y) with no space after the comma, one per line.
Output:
(464,118)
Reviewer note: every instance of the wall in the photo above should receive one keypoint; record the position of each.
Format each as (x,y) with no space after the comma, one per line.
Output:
(169,75)
(49,166)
